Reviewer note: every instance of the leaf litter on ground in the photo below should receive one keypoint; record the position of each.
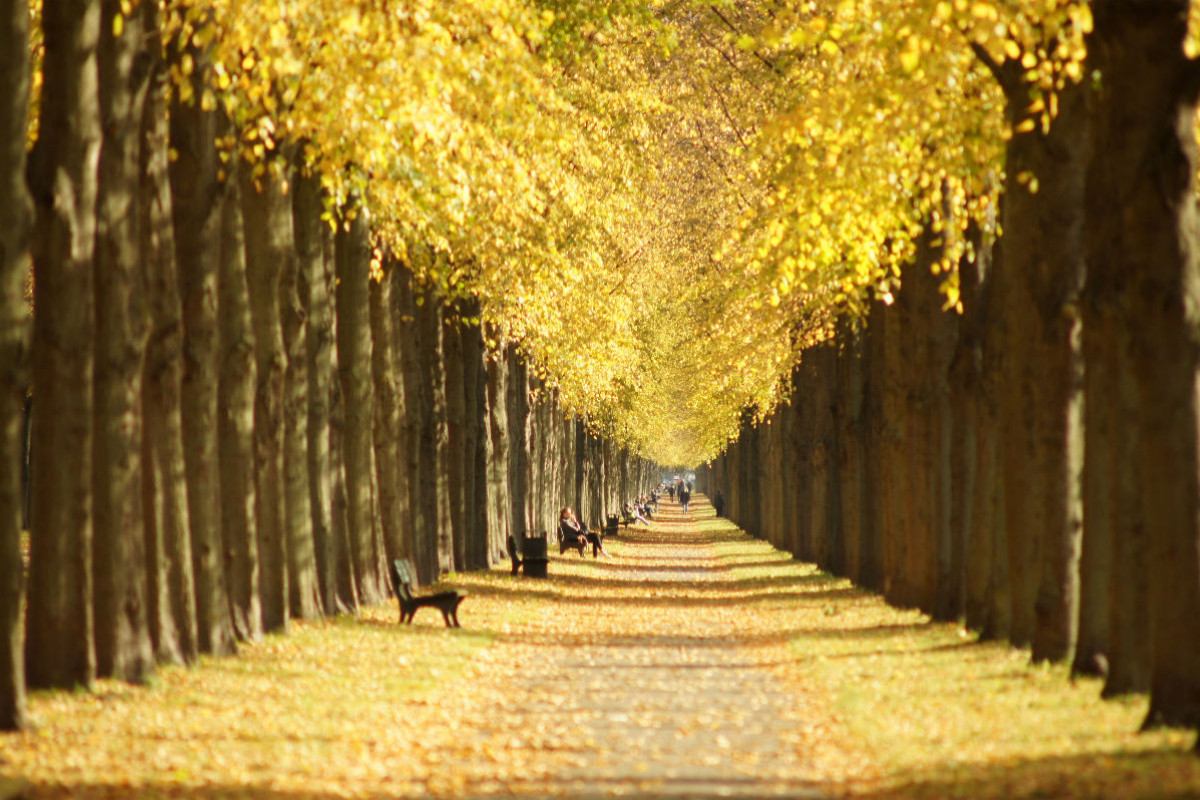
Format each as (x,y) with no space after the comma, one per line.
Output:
(882,702)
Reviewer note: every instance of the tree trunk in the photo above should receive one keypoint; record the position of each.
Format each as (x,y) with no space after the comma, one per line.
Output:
(344,585)
(1042,272)
(894,327)
(354,367)
(1100,481)
(172,585)
(874,516)
(475,392)
(1146,110)
(317,280)
(302,246)
(849,434)
(237,384)
(499,505)
(1046,251)
(16,207)
(421,448)
(518,439)
(392,481)
(436,434)
(456,431)
(123,647)
(963,375)
(197,197)
(62,170)
(266,213)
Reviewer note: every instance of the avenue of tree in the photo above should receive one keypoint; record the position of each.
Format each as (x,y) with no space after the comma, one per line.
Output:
(293,287)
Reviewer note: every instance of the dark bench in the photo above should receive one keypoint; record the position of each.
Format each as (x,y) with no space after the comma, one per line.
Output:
(530,556)
(611,524)
(571,539)
(404,579)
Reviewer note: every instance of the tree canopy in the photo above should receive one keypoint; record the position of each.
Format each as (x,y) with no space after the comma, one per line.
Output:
(663,202)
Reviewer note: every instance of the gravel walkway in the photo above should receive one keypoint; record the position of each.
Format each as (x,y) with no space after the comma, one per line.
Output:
(676,706)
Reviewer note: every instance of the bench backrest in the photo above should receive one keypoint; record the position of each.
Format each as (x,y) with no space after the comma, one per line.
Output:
(405,577)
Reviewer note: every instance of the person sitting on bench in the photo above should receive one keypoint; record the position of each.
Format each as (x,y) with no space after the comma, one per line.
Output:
(635,515)
(570,526)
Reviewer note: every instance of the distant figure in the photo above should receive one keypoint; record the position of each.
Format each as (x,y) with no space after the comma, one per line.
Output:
(685,495)
(718,502)
(671,492)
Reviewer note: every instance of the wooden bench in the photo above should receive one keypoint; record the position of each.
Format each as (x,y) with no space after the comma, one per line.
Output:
(530,556)
(570,539)
(404,578)
(611,524)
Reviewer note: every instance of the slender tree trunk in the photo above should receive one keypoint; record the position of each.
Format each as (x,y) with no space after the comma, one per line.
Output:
(421,443)
(266,212)
(848,432)
(344,586)
(499,505)
(197,197)
(388,406)
(60,642)
(436,434)
(873,442)
(1046,249)
(475,392)
(302,240)
(354,366)
(123,647)
(894,327)
(16,206)
(237,384)
(518,438)
(317,280)
(1100,501)
(456,442)
(964,378)
(172,585)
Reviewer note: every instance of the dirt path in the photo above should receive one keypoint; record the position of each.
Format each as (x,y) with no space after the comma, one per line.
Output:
(649,693)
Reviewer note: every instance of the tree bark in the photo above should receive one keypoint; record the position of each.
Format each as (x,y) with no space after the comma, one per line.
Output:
(436,434)
(518,438)
(499,505)
(964,378)
(197,196)
(301,244)
(172,585)
(392,482)
(354,367)
(266,214)
(237,381)
(1042,272)
(317,282)
(478,442)
(60,641)
(1146,109)
(16,207)
(453,370)
(850,464)
(421,444)
(123,646)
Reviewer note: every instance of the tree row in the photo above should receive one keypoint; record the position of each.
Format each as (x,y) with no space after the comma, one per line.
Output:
(242,408)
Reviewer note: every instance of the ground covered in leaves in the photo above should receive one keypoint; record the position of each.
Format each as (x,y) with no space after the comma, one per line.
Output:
(696,662)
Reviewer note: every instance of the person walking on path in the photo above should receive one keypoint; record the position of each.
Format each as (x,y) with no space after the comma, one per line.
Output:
(685,495)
